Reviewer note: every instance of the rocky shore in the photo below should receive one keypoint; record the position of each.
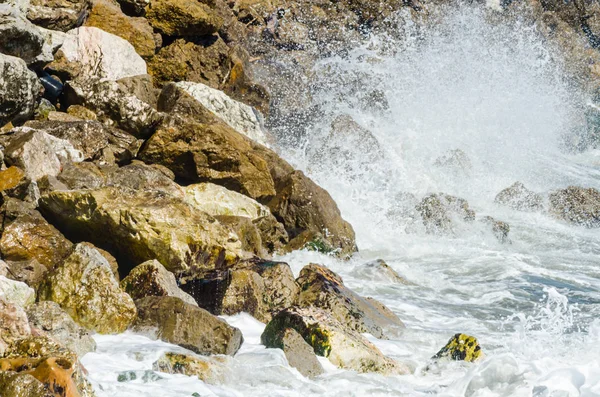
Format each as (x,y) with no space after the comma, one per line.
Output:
(142,189)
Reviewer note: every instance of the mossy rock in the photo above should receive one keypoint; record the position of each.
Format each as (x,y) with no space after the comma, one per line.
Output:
(461,347)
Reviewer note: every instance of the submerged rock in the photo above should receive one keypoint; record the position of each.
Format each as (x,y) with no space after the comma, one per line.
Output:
(212,370)
(299,354)
(460,347)
(74,286)
(19,90)
(455,161)
(322,288)
(518,197)
(329,338)
(441,212)
(499,229)
(379,271)
(172,320)
(152,279)
(576,205)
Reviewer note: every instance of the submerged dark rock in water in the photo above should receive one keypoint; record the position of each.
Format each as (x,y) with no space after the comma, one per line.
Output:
(460,347)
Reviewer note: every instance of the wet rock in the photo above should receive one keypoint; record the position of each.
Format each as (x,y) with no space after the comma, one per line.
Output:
(38,153)
(441,213)
(107,15)
(20,385)
(460,347)
(133,225)
(18,37)
(239,116)
(16,292)
(48,317)
(576,205)
(299,354)
(115,103)
(11,177)
(74,286)
(261,289)
(455,161)
(152,279)
(172,320)
(329,338)
(13,324)
(31,272)
(58,14)
(322,288)
(93,139)
(520,198)
(19,90)
(27,235)
(91,52)
(499,229)
(212,370)
(379,271)
(182,18)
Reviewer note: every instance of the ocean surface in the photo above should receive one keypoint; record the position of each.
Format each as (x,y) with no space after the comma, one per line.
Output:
(498,93)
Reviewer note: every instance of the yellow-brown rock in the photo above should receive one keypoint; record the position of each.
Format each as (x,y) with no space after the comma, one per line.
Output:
(10,177)
(183,17)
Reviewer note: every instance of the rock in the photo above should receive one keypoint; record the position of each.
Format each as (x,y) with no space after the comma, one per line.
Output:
(212,370)
(344,347)
(152,279)
(18,37)
(16,292)
(107,15)
(20,385)
(91,52)
(53,39)
(239,116)
(38,153)
(19,90)
(520,198)
(13,325)
(182,18)
(114,104)
(217,200)
(82,176)
(10,177)
(31,272)
(93,139)
(460,347)
(134,7)
(247,232)
(379,271)
(455,161)
(49,318)
(49,362)
(322,288)
(58,14)
(260,288)
(74,286)
(132,224)
(27,235)
(174,321)
(198,152)
(299,354)
(112,262)
(499,229)
(576,205)
(81,112)
(441,212)
(61,117)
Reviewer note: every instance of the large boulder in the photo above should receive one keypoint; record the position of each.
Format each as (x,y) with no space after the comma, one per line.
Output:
(142,225)
(91,52)
(212,370)
(58,14)
(174,321)
(48,318)
(152,279)
(442,213)
(28,236)
(18,36)
(299,354)
(183,18)
(329,338)
(19,90)
(322,288)
(260,288)
(107,15)
(576,205)
(16,292)
(74,286)
(39,153)
(92,138)
(518,197)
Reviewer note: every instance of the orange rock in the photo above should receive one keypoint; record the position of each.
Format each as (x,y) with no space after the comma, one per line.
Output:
(10,177)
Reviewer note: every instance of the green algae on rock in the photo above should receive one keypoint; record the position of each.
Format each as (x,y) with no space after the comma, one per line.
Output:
(460,347)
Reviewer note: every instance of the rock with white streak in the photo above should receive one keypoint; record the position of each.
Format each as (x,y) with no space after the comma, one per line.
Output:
(19,90)
(239,116)
(16,292)
(38,153)
(91,52)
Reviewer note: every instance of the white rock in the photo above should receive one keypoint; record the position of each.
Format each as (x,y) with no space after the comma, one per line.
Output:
(102,54)
(18,36)
(217,200)
(53,40)
(239,116)
(19,90)
(16,292)
(39,154)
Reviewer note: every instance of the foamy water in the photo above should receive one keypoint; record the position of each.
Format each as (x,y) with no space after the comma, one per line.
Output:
(498,94)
